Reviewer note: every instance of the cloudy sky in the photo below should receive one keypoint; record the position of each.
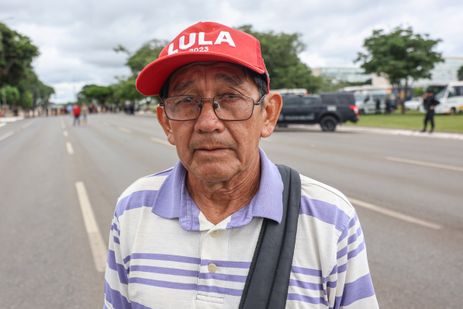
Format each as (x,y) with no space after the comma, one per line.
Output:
(76,38)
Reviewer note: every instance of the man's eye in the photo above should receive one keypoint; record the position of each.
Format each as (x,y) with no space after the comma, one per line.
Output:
(185,100)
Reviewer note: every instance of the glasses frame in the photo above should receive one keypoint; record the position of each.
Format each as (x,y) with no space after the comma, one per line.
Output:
(215,105)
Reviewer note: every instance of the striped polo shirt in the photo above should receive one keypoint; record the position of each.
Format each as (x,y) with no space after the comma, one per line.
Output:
(164,253)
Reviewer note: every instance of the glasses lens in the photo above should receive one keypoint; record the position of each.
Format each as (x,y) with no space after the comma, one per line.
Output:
(182,107)
(233,107)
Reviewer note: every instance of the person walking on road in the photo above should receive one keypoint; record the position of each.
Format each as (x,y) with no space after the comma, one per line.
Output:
(76,114)
(226,227)
(84,113)
(429,104)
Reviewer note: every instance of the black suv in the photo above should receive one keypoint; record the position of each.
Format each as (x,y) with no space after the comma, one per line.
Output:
(327,109)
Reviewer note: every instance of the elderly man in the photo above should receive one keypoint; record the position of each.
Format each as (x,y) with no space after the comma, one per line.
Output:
(195,235)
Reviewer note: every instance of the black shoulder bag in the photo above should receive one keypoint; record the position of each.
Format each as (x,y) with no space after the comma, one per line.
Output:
(268,278)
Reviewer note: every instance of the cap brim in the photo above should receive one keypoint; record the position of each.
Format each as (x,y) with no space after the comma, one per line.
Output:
(154,75)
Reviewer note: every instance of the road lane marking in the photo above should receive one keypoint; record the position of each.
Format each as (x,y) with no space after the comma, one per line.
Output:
(65,133)
(161,141)
(69,148)
(396,214)
(124,130)
(427,164)
(26,125)
(95,239)
(6,135)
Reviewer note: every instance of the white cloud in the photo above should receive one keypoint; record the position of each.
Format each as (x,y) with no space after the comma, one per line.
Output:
(76,38)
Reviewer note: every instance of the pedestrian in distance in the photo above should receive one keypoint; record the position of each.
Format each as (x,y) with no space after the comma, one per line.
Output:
(84,113)
(429,105)
(226,227)
(76,113)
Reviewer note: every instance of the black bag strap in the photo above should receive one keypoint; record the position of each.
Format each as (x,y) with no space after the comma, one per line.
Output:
(267,281)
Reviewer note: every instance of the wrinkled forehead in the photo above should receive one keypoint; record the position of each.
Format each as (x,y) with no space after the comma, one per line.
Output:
(227,73)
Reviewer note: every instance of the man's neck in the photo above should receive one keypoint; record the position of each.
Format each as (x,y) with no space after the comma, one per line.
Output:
(217,201)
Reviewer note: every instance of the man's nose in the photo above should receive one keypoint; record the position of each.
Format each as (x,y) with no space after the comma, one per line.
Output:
(208,120)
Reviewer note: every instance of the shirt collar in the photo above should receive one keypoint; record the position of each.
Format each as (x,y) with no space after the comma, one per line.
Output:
(173,200)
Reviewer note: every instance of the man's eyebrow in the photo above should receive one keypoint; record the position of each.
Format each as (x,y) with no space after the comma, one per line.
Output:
(180,86)
(230,79)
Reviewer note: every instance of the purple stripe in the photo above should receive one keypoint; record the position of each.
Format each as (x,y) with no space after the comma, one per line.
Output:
(135,200)
(342,252)
(115,228)
(121,271)
(306,271)
(223,277)
(331,284)
(186,286)
(164,270)
(119,301)
(306,285)
(359,289)
(325,212)
(162,257)
(355,252)
(116,240)
(354,236)
(307,299)
(219,290)
(230,264)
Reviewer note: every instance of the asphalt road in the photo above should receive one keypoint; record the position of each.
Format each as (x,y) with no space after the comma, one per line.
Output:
(59,184)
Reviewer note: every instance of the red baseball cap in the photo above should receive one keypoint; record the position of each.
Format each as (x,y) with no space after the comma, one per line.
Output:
(201,42)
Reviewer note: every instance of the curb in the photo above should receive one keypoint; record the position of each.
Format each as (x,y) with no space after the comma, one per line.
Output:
(402,132)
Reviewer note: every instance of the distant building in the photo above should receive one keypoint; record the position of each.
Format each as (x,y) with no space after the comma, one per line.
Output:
(443,72)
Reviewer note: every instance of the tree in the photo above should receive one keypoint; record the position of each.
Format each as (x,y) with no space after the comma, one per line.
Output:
(9,95)
(16,55)
(280,52)
(400,55)
(100,94)
(460,73)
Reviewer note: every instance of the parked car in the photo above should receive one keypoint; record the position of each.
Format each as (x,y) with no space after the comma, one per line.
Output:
(450,98)
(415,104)
(328,110)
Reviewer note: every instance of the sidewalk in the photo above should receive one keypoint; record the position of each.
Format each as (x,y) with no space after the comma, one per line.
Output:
(457,136)
(5,120)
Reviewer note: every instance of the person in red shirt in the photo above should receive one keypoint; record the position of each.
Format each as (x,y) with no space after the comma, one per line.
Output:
(76,113)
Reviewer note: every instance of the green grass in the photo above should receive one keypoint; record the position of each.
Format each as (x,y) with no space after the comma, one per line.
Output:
(412,120)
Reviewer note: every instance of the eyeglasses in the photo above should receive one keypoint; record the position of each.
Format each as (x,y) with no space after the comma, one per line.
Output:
(229,107)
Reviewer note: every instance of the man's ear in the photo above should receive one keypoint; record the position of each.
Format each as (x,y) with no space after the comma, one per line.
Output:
(272,109)
(165,124)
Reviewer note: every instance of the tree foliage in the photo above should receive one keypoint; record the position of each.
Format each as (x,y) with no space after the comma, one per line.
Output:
(96,93)
(399,55)
(460,73)
(16,72)
(281,55)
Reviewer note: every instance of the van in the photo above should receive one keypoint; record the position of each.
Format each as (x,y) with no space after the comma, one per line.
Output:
(450,99)
(370,99)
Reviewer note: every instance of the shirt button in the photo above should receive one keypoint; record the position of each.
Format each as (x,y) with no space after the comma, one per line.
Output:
(215,234)
(212,268)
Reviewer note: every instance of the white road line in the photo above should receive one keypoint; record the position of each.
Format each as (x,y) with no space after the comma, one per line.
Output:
(6,135)
(65,133)
(95,239)
(396,214)
(161,141)
(427,164)
(26,125)
(69,148)
(124,130)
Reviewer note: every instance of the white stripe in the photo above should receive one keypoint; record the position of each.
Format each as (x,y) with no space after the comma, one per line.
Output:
(124,130)
(6,135)
(65,133)
(161,141)
(428,164)
(26,125)
(94,236)
(69,148)
(396,214)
